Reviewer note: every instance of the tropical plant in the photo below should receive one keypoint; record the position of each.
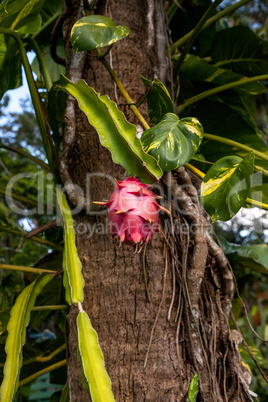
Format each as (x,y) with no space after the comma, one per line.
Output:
(161,312)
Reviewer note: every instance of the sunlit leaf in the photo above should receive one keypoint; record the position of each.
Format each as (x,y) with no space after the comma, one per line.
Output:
(92,361)
(73,280)
(20,316)
(158,100)
(95,31)
(226,186)
(115,133)
(254,256)
(173,142)
(193,389)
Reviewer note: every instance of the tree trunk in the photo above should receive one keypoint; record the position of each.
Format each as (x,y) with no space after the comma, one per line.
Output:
(189,284)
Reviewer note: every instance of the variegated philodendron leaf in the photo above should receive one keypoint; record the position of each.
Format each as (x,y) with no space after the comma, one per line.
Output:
(226,186)
(173,142)
(158,100)
(73,280)
(96,31)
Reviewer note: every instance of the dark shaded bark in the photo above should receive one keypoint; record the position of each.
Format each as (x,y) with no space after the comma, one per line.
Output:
(189,282)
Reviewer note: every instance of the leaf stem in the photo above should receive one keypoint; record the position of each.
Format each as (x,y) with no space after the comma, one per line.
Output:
(195,170)
(41,372)
(44,359)
(35,239)
(44,308)
(43,67)
(232,143)
(209,22)
(32,270)
(221,88)
(101,55)
(36,100)
(260,204)
(198,28)
(124,92)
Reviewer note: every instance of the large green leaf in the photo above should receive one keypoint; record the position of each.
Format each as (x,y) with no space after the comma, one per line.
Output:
(226,186)
(195,69)
(21,15)
(27,15)
(49,12)
(55,69)
(10,68)
(241,50)
(9,10)
(95,31)
(254,257)
(115,133)
(158,100)
(173,142)
(233,118)
(193,389)
(73,280)
(92,361)
(20,316)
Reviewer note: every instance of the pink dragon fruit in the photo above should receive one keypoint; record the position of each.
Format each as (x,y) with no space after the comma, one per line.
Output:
(133,212)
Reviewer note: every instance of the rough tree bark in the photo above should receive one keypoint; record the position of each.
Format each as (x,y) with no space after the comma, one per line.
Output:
(189,283)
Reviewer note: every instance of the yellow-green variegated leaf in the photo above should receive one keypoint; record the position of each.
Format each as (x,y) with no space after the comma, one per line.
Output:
(96,379)
(95,31)
(226,186)
(73,280)
(173,141)
(115,132)
(19,319)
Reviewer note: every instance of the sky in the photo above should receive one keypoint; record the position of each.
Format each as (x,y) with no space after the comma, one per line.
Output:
(19,93)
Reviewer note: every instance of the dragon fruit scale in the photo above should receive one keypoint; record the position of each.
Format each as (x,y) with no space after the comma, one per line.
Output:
(133,212)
